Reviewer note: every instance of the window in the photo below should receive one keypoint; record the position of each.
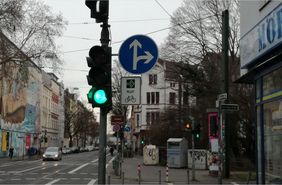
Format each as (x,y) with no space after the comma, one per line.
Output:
(148,98)
(185,98)
(157,97)
(172,98)
(137,119)
(153,79)
(172,84)
(153,97)
(272,141)
(152,118)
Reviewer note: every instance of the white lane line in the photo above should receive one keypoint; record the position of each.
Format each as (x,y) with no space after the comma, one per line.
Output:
(29,169)
(78,168)
(110,162)
(234,183)
(53,181)
(94,160)
(30,179)
(83,173)
(14,179)
(74,178)
(92,182)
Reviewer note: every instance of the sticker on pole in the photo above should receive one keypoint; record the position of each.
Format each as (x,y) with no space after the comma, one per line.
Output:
(138,54)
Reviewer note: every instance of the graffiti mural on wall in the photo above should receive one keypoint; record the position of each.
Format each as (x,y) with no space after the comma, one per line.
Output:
(20,107)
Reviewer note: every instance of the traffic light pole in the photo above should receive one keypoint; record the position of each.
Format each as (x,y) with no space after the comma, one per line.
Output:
(103,118)
(102,146)
(193,152)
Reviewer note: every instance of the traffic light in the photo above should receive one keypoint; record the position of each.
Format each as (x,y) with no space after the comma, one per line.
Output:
(187,125)
(99,9)
(197,132)
(142,141)
(99,77)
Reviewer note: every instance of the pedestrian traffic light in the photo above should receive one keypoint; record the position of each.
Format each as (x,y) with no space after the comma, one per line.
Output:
(99,77)
(99,9)
(142,141)
(197,132)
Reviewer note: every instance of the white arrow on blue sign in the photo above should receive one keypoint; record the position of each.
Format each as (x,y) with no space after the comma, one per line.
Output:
(138,54)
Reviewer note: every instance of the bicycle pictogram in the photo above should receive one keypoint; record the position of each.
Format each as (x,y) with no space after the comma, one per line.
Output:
(130,99)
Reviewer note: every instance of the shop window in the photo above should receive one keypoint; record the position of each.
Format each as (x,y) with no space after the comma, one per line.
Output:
(273,142)
(272,82)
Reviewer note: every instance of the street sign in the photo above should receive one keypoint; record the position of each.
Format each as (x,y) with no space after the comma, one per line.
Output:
(222,96)
(126,129)
(131,90)
(117,120)
(116,128)
(138,54)
(229,107)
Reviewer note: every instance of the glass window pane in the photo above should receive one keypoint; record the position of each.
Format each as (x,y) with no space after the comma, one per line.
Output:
(272,82)
(273,142)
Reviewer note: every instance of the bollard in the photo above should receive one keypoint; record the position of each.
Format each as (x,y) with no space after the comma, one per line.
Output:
(166,173)
(160,177)
(139,173)
(122,178)
(109,179)
(188,176)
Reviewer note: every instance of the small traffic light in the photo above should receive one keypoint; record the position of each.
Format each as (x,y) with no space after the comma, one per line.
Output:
(99,9)
(187,126)
(142,141)
(197,132)
(99,77)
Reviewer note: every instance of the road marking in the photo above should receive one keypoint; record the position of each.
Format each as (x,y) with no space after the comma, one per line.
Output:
(92,182)
(74,178)
(62,173)
(29,169)
(234,183)
(52,182)
(94,160)
(87,178)
(16,179)
(30,179)
(78,168)
(83,173)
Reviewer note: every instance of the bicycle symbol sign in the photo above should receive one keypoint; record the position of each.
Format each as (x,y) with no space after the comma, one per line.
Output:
(130,90)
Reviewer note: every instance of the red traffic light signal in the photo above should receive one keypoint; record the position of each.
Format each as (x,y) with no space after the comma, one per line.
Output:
(187,126)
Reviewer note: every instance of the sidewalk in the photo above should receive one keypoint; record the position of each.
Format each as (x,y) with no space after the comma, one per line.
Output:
(151,174)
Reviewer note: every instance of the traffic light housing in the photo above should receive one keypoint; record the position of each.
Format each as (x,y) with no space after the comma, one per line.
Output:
(197,132)
(99,77)
(99,9)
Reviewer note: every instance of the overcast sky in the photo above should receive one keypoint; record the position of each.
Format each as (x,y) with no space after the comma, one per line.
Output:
(126,17)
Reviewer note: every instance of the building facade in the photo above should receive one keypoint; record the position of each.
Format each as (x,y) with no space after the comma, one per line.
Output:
(25,102)
(261,65)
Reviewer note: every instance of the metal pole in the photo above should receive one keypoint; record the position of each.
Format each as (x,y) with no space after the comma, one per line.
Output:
(122,178)
(109,179)
(188,176)
(225,36)
(220,146)
(102,146)
(193,155)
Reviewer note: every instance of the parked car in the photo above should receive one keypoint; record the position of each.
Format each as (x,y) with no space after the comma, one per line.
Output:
(52,153)
(89,148)
(66,151)
(74,149)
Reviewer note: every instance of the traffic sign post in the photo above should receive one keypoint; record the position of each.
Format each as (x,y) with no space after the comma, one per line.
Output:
(138,54)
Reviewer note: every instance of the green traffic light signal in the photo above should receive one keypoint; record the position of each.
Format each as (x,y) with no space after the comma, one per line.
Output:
(100,96)
(197,135)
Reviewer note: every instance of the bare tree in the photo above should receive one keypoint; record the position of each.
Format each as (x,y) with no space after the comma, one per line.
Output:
(33,28)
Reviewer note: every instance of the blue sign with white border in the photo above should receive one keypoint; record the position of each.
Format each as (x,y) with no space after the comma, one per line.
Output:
(138,54)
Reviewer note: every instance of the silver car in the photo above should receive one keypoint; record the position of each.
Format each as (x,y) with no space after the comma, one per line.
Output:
(52,153)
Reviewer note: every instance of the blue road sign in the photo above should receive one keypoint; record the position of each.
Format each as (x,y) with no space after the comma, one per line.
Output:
(126,129)
(138,54)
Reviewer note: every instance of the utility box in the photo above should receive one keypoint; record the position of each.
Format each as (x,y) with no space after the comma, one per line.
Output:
(177,152)
(200,157)
(150,155)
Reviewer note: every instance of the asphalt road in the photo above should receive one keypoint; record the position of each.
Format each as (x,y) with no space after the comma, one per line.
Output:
(81,168)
